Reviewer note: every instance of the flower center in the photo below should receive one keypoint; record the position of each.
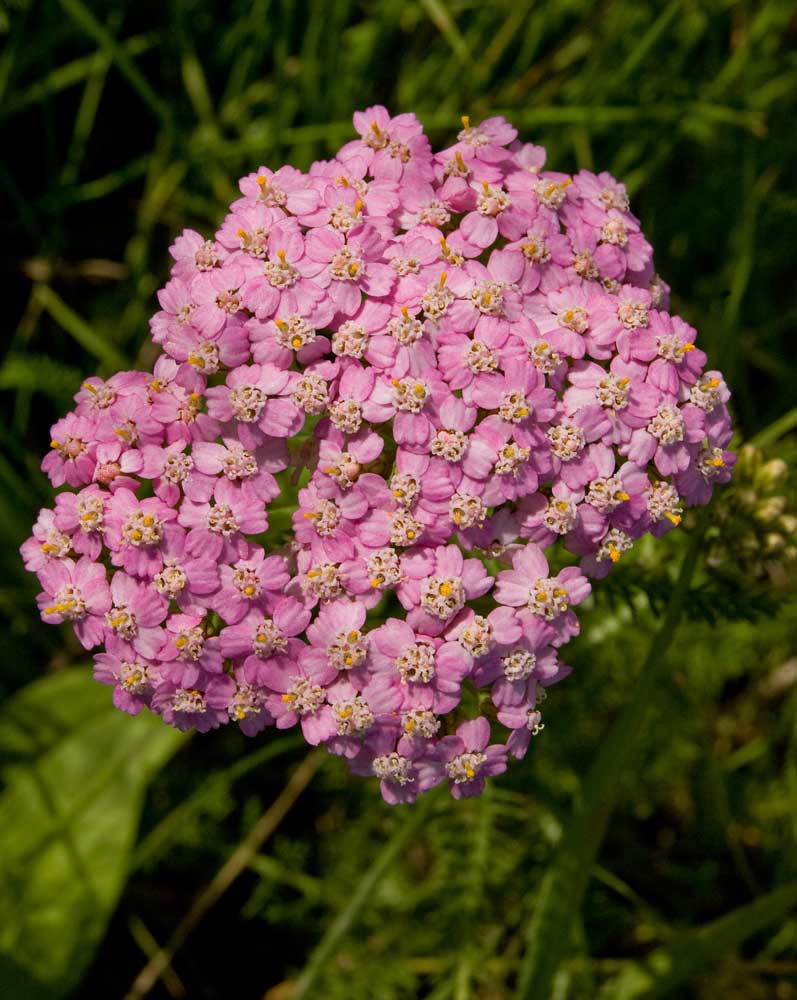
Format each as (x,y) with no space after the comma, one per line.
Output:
(442,597)
(346,415)
(267,638)
(353,716)
(465,510)
(477,638)
(221,520)
(141,528)
(294,332)
(667,424)
(547,599)
(384,568)
(416,664)
(304,697)
(606,493)
(350,340)
(465,767)
(247,402)
(519,664)
(449,445)
(410,394)
(348,649)
(612,391)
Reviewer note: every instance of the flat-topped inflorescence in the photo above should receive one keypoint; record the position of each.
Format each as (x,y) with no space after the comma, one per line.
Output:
(430,364)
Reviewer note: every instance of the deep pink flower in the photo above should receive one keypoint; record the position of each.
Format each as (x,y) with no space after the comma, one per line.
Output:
(76,592)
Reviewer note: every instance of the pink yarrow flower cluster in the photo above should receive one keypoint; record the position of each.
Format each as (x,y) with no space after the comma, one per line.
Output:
(377,380)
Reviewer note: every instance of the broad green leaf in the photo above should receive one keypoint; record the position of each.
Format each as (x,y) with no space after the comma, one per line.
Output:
(695,951)
(75,770)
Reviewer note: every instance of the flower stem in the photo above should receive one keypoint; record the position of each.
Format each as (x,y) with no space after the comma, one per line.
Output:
(560,895)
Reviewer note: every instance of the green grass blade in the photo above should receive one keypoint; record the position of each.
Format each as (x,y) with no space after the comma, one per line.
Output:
(84,18)
(340,926)
(69,74)
(75,325)
(438,14)
(665,969)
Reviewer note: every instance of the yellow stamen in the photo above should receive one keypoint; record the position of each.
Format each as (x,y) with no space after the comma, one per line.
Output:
(445,589)
(688,347)
(136,535)
(358,206)
(261,181)
(675,518)
(469,771)
(465,119)
(249,590)
(409,725)
(713,383)
(55,444)
(116,622)
(354,267)
(622,495)
(348,659)
(344,713)
(460,161)
(281,255)
(614,554)
(354,636)
(296,343)
(148,520)
(443,277)
(410,534)
(376,582)
(289,697)
(180,641)
(717,463)
(310,514)
(59,608)
(91,388)
(242,233)
(405,312)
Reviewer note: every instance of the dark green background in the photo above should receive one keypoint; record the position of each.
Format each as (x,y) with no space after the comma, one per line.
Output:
(123,123)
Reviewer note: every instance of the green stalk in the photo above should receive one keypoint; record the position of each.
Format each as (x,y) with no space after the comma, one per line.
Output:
(559,899)
(341,925)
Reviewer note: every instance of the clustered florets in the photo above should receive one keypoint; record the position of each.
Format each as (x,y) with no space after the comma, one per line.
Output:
(480,354)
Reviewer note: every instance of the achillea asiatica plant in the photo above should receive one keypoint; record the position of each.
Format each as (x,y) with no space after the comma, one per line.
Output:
(446,363)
